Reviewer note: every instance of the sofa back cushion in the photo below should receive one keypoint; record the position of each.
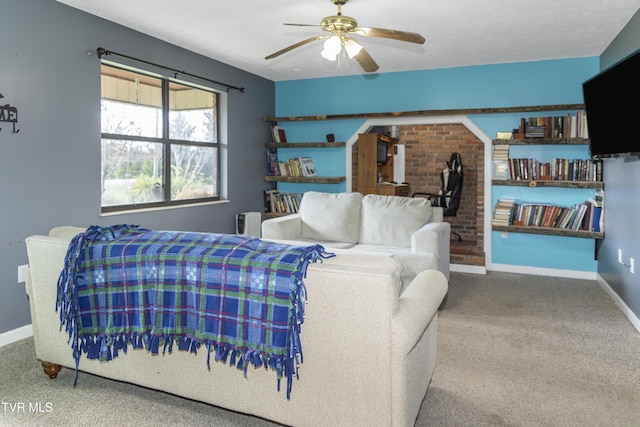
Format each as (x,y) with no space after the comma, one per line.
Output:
(331,216)
(391,220)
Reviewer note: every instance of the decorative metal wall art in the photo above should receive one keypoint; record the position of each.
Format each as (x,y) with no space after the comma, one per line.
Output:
(9,114)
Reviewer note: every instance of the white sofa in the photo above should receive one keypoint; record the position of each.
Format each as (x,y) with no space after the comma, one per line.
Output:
(409,228)
(369,351)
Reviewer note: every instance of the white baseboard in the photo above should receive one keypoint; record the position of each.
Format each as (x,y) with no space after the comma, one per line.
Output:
(538,271)
(620,303)
(461,268)
(16,335)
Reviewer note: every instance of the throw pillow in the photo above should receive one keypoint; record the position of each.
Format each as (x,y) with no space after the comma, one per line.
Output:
(331,216)
(391,220)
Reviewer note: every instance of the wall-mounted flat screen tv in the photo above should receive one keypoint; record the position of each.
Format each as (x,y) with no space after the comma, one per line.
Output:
(611,100)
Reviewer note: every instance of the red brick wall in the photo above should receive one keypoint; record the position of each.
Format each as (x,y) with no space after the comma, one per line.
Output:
(427,147)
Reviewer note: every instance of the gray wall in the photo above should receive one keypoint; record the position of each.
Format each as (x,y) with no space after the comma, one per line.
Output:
(622,203)
(50,170)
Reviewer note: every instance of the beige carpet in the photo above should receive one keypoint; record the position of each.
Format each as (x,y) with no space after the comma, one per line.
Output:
(520,350)
(514,350)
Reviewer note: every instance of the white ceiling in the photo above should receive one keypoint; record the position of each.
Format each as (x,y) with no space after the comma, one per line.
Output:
(457,32)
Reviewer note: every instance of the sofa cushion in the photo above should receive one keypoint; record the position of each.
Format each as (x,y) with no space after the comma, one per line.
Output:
(410,264)
(328,245)
(391,220)
(331,216)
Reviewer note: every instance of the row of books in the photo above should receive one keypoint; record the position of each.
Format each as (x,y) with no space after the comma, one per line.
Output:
(275,201)
(555,169)
(296,166)
(582,216)
(569,126)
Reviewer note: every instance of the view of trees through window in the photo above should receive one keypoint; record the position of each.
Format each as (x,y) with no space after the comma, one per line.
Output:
(159,141)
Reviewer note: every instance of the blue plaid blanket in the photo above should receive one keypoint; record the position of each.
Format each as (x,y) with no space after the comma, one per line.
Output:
(240,297)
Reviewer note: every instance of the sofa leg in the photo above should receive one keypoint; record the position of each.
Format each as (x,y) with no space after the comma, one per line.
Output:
(51,369)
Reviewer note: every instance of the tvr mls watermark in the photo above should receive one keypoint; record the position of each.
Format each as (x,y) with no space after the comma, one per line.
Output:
(24,407)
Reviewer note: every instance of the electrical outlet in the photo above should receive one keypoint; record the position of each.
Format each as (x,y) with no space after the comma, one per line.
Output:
(632,267)
(22,273)
(504,235)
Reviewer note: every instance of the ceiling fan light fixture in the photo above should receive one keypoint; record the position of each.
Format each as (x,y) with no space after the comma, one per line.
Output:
(332,47)
(352,47)
(338,45)
(328,55)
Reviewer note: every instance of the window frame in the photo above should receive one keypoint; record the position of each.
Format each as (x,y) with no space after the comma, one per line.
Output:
(167,143)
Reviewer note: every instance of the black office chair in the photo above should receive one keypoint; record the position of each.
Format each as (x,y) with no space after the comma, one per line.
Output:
(449,195)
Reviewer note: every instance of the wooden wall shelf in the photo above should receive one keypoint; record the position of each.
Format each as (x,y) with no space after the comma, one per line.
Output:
(465,111)
(547,183)
(306,144)
(269,215)
(306,179)
(542,141)
(550,231)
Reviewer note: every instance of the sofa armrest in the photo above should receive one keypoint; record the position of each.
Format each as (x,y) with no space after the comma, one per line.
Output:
(417,306)
(287,227)
(434,238)
(66,231)
(414,336)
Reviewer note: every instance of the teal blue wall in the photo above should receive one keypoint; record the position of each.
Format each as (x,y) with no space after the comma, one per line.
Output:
(505,85)
(489,86)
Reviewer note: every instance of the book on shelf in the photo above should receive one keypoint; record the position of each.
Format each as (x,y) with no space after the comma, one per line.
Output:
(296,166)
(569,126)
(555,169)
(597,206)
(501,162)
(500,169)
(308,168)
(596,221)
(278,134)
(503,211)
(268,196)
(501,152)
(283,168)
(272,161)
(504,136)
(581,216)
(550,216)
(277,202)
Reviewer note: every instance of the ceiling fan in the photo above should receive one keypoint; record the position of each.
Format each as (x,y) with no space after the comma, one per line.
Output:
(340,27)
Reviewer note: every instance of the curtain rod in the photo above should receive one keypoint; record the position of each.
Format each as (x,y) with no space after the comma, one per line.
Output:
(102,52)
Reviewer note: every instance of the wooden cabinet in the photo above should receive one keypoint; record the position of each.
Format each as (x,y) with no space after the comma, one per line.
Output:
(392,190)
(375,166)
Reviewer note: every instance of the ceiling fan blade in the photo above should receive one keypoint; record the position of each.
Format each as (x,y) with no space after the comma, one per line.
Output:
(403,36)
(366,61)
(293,46)
(301,25)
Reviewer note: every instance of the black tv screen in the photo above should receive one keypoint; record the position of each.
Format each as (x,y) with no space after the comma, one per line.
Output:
(611,103)
(382,153)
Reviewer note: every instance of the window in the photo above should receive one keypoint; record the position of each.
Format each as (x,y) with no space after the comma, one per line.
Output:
(160,141)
